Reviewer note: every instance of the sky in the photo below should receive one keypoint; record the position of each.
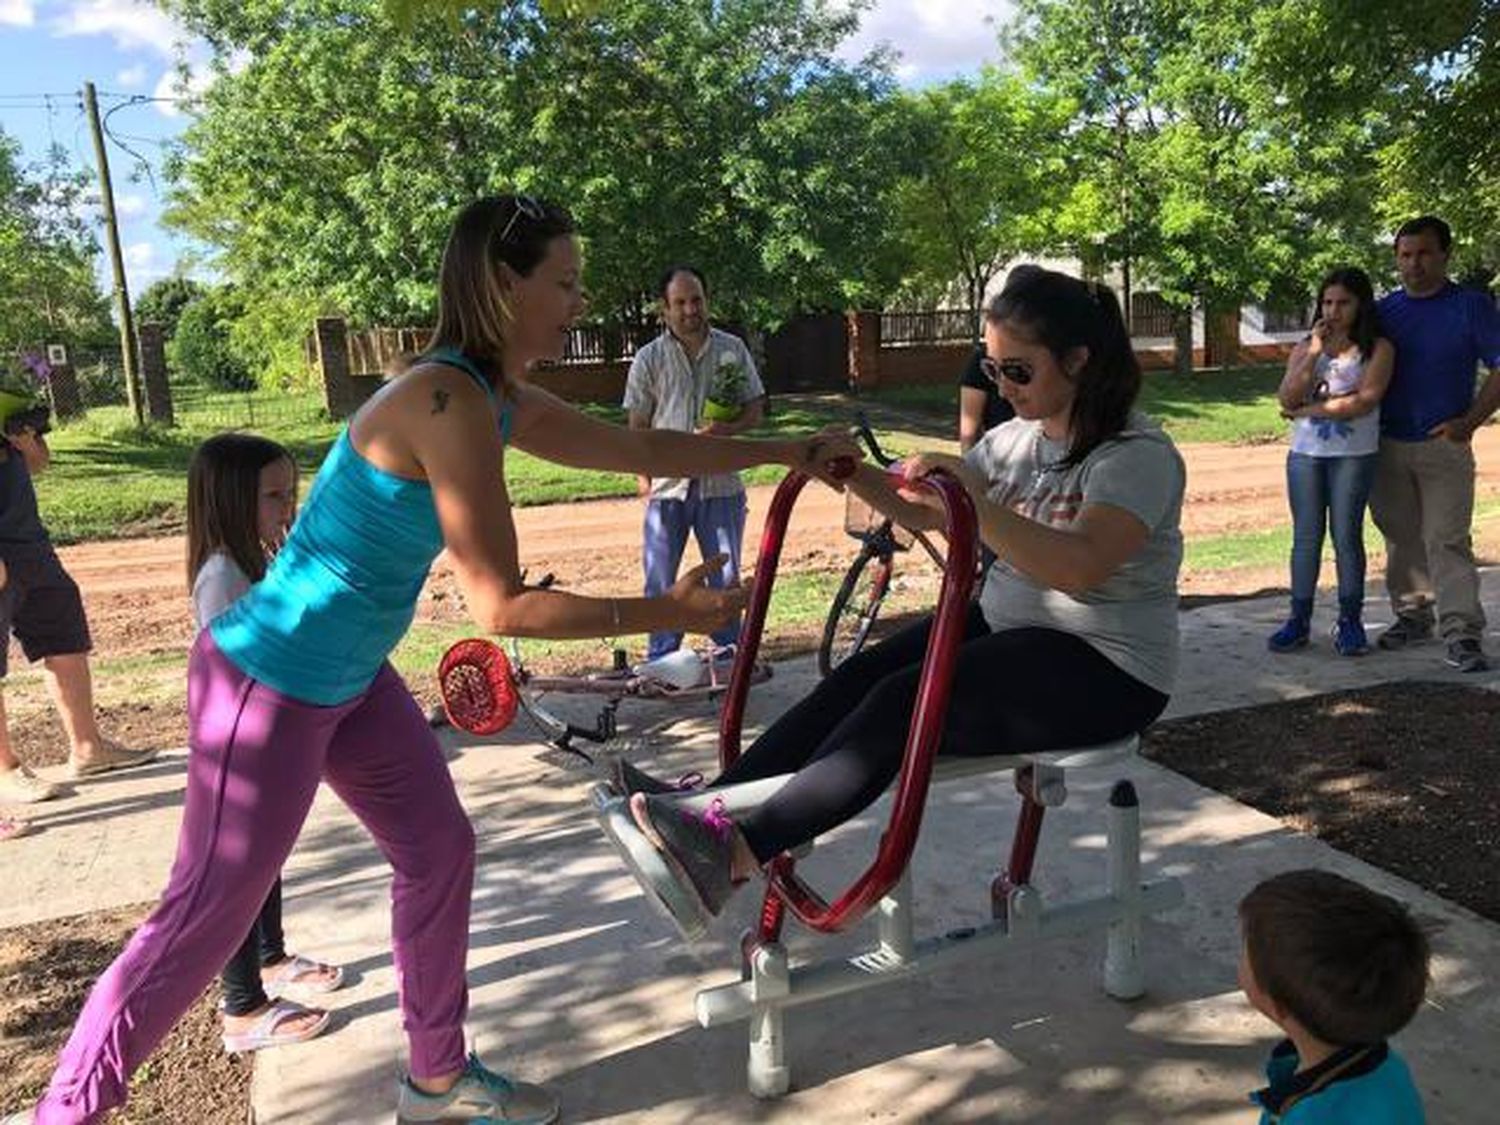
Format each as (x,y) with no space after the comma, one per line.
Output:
(129,48)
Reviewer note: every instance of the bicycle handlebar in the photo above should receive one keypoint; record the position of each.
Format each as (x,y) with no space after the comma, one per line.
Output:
(867,435)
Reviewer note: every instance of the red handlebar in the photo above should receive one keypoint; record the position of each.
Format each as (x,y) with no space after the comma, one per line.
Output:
(923,735)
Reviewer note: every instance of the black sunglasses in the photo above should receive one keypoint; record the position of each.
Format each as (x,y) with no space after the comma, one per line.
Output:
(1018,371)
(527,206)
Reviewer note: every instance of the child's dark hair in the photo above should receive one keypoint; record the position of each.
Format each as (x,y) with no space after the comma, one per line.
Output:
(1366,328)
(224,501)
(1062,313)
(1348,963)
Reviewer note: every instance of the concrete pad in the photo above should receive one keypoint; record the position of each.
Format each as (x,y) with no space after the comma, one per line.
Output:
(1225,662)
(575,982)
(108,843)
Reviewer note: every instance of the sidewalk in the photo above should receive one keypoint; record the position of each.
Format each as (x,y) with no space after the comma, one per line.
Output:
(577,983)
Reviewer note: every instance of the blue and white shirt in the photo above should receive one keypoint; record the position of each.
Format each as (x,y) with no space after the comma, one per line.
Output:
(1335,376)
(670,386)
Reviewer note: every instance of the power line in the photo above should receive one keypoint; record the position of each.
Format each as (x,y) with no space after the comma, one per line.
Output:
(184,99)
(140,160)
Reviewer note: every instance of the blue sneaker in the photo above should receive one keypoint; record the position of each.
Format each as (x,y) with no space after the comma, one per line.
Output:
(1292,635)
(479,1095)
(1349,637)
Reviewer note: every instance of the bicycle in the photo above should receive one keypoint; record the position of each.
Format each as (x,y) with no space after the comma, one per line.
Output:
(868,579)
(483,689)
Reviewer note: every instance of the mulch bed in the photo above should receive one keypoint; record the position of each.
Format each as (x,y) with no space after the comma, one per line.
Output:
(1401,775)
(46,971)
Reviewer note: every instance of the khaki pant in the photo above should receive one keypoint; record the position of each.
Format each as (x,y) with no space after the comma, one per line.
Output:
(1423,503)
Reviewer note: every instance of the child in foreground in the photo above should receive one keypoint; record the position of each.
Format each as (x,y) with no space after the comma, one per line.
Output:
(1339,969)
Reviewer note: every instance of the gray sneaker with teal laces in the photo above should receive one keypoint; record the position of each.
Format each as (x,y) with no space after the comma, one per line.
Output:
(480,1096)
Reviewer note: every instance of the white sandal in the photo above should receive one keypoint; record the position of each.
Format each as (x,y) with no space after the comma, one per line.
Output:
(263,1032)
(283,978)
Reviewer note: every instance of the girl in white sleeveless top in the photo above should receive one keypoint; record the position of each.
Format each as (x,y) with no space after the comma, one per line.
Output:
(1332,389)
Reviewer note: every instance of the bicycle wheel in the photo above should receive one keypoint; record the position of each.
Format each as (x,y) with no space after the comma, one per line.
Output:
(854,609)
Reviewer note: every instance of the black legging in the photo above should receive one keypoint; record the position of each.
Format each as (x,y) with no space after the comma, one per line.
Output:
(263,945)
(1014,692)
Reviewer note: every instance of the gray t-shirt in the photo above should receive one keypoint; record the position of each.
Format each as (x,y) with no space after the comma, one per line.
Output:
(1131,618)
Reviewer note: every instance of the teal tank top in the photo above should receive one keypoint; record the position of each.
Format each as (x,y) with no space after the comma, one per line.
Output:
(343,589)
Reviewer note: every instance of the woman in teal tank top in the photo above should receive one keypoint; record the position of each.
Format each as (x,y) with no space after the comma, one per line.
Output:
(291,686)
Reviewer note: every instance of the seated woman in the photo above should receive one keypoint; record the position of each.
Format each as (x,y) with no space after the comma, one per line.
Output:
(1072,642)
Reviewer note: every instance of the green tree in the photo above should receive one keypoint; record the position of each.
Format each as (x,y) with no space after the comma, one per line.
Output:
(1431,88)
(328,168)
(1200,165)
(201,349)
(989,186)
(163,302)
(48,288)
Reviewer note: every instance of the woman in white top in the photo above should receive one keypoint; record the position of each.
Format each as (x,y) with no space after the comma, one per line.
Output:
(1332,389)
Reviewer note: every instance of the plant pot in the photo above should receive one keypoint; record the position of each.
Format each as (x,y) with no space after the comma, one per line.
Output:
(721,411)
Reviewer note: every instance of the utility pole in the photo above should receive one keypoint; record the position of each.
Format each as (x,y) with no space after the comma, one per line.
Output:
(112,233)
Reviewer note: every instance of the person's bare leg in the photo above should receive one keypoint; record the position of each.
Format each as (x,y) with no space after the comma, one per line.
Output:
(72,688)
(8,759)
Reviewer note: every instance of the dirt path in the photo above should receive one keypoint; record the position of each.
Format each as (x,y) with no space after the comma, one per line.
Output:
(137,603)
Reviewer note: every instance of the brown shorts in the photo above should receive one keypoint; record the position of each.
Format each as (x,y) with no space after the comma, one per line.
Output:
(41,605)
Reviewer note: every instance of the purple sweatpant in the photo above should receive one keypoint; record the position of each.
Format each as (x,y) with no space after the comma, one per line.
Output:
(255,762)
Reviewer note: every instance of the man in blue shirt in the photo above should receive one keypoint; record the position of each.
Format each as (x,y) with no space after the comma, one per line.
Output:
(1423,499)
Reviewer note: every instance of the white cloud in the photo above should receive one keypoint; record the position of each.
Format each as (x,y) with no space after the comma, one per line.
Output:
(932,39)
(200,77)
(142,265)
(132,76)
(132,24)
(140,256)
(17,13)
(130,206)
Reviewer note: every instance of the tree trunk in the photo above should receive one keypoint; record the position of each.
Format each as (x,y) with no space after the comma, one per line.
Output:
(1182,337)
(976,314)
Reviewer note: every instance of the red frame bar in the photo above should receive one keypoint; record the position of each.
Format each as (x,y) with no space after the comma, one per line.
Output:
(923,735)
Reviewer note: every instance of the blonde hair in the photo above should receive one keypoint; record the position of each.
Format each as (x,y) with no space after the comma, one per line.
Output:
(514,230)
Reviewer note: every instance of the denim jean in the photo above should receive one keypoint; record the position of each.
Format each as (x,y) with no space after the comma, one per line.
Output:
(1329,493)
(718,523)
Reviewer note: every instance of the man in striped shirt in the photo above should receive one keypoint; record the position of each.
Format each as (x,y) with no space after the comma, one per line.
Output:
(692,378)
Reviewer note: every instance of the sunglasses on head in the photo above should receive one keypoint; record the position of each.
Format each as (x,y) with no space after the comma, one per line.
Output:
(1018,371)
(524,205)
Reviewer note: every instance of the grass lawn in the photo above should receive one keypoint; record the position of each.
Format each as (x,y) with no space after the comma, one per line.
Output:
(1273,547)
(109,480)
